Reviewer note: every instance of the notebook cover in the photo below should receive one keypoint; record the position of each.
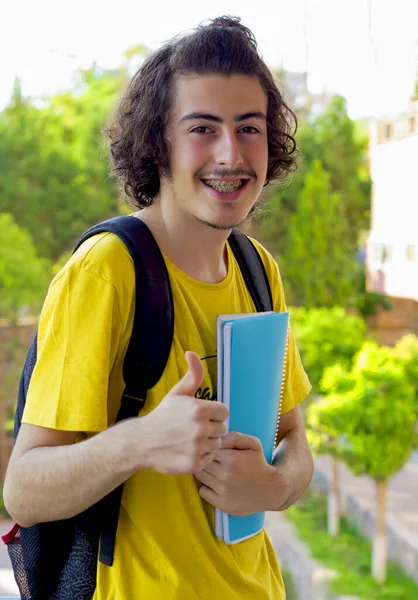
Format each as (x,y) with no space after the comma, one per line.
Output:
(252,363)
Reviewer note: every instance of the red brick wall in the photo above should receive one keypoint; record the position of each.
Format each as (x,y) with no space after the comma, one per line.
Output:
(387,327)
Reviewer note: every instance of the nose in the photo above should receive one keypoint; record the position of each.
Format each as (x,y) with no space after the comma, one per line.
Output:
(228,151)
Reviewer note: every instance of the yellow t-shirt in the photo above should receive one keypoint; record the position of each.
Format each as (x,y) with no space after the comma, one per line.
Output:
(165,546)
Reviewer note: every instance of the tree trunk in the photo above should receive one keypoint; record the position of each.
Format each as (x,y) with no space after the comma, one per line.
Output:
(334,502)
(380,540)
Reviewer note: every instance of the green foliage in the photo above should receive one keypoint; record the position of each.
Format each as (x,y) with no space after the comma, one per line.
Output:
(343,152)
(23,275)
(369,412)
(365,302)
(54,176)
(349,554)
(313,223)
(334,139)
(60,262)
(326,337)
(3,511)
(406,350)
(318,262)
(289,585)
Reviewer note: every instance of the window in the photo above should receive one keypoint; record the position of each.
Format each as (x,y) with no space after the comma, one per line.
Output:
(412,124)
(388,131)
(378,250)
(410,252)
(387,253)
(382,253)
(399,128)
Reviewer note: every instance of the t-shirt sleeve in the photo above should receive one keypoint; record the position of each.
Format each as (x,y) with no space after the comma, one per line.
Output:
(78,338)
(296,385)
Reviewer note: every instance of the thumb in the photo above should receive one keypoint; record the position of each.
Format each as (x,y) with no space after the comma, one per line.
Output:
(188,385)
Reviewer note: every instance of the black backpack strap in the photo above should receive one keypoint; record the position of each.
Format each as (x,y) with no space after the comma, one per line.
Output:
(149,345)
(154,314)
(252,269)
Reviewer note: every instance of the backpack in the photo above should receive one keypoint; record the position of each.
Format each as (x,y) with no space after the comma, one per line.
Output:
(58,560)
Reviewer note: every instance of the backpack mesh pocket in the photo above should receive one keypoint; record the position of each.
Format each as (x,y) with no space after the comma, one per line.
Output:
(14,548)
(55,561)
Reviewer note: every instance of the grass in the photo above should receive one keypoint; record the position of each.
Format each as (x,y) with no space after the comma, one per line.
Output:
(3,512)
(289,585)
(349,554)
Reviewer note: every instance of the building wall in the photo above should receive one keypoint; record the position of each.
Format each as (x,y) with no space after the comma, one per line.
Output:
(392,249)
(392,253)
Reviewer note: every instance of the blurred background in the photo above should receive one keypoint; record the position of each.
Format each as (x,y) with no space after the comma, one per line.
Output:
(343,229)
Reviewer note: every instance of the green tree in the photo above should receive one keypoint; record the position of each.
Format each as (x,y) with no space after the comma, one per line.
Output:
(406,351)
(369,412)
(318,262)
(23,275)
(341,146)
(23,282)
(323,439)
(54,169)
(327,337)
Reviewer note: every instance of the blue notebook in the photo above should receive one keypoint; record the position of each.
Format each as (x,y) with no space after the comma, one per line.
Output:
(252,350)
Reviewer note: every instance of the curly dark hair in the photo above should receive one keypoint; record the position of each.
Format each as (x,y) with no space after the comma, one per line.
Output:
(139,150)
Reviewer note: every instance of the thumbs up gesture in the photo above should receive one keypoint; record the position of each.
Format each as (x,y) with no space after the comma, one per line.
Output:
(182,432)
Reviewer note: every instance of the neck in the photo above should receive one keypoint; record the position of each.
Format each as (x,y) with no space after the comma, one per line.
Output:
(195,248)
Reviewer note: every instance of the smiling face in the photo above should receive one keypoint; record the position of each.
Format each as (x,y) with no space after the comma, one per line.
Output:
(217,134)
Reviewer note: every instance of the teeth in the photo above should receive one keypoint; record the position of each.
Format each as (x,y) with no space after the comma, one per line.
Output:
(226,187)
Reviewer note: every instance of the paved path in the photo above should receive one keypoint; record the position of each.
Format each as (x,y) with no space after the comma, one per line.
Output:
(358,494)
(402,492)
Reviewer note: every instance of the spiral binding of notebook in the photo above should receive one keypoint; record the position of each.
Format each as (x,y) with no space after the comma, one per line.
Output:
(282,388)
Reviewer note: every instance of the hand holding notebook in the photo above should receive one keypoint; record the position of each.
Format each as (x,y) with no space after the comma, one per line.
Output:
(251,369)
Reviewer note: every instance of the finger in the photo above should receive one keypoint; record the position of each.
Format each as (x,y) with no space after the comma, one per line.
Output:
(217,429)
(215,468)
(206,479)
(204,460)
(240,441)
(216,411)
(209,495)
(211,445)
(188,385)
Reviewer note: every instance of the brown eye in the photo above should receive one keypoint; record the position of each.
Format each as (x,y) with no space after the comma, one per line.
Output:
(249,129)
(201,129)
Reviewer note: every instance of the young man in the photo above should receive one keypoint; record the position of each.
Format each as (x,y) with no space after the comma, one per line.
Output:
(200,131)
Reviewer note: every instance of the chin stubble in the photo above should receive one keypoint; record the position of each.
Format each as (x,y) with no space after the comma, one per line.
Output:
(219,226)
(225,226)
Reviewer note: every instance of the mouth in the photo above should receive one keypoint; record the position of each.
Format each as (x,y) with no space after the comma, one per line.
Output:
(226,189)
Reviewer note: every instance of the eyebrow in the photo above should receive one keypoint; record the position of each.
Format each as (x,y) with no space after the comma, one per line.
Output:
(215,119)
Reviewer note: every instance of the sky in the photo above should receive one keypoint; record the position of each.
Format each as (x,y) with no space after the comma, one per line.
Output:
(366,50)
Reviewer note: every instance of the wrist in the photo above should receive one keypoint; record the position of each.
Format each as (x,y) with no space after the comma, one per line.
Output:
(136,454)
(279,488)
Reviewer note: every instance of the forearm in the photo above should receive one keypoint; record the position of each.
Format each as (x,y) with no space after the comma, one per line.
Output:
(294,466)
(58,482)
